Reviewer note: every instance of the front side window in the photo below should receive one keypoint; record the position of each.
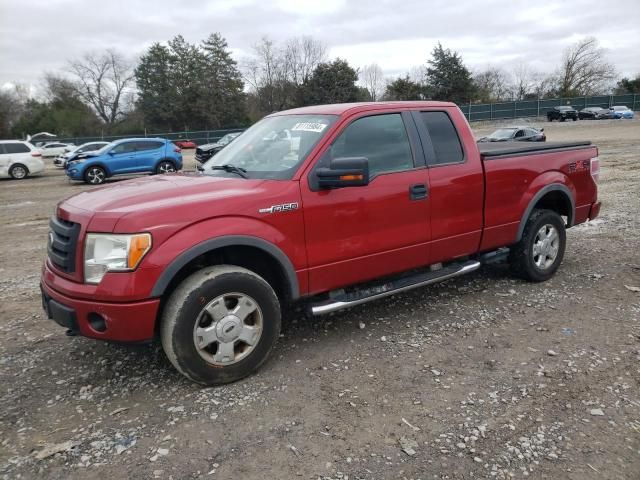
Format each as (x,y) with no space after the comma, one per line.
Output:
(124,148)
(272,148)
(444,137)
(382,139)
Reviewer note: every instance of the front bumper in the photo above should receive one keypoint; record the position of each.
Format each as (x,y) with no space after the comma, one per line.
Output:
(120,322)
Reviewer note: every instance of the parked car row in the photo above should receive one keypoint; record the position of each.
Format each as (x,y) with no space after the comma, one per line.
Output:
(563,113)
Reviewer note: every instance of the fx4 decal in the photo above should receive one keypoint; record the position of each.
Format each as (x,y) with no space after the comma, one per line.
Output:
(283,207)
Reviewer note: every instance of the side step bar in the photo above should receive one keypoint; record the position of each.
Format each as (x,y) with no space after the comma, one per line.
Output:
(391,287)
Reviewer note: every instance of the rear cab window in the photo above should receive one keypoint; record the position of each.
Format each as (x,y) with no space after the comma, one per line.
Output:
(442,145)
(14,148)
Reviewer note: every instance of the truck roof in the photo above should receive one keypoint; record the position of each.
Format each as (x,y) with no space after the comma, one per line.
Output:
(341,108)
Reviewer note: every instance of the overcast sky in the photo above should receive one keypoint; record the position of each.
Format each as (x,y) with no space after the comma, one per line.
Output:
(42,35)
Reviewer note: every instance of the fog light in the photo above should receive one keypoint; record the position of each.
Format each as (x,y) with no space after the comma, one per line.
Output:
(97,322)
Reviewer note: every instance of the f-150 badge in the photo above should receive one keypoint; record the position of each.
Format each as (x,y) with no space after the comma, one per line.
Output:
(284,207)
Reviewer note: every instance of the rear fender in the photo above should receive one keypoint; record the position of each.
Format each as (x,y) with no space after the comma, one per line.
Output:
(554,181)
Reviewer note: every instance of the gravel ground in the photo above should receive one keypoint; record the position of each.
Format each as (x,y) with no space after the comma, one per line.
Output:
(483,376)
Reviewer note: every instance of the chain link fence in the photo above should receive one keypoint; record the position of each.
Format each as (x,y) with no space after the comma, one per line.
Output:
(473,112)
(539,108)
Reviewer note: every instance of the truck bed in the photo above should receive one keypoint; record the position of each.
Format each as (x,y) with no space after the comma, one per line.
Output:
(492,150)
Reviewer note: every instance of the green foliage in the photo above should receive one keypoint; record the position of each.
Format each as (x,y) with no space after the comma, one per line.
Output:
(333,82)
(403,88)
(183,86)
(447,77)
(627,85)
(63,113)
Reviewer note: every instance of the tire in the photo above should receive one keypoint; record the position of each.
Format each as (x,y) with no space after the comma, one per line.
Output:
(562,119)
(524,261)
(575,119)
(18,171)
(550,119)
(165,166)
(210,348)
(95,175)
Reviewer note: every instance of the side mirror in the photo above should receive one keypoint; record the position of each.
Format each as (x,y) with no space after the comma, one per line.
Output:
(344,172)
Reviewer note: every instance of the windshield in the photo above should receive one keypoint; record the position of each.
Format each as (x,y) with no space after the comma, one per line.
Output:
(503,133)
(620,108)
(102,150)
(565,108)
(272,148)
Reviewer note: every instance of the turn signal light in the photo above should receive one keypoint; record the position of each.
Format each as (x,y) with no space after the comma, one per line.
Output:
(347,178)
(140,244)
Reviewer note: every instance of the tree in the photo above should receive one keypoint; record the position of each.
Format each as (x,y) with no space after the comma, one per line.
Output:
(301,57)
(373,80)
(491,85)
(626,85)
(403,88)
(333,82)
(584,69)
(224,98)
(447,78)
(12,107)
(154,81)
(101,82)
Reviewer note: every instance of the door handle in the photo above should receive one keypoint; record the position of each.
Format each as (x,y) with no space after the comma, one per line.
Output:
(418,191)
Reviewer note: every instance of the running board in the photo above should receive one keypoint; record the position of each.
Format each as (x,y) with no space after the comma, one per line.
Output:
(391,287)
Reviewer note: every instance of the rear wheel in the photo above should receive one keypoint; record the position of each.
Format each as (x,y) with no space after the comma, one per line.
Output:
(18,171)
(537,256)
(165,166)
(220,324)
(95,175)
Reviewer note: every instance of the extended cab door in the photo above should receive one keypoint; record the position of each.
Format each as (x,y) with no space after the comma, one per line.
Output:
(359,233)
(456,183)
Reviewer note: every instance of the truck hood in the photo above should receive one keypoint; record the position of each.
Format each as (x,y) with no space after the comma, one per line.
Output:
(191,196)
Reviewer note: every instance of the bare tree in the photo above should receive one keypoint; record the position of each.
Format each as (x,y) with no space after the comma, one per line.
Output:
(492,84)
(102,81)
(302,56)
(522,81)
(275,73)
(585,69)
(373,80)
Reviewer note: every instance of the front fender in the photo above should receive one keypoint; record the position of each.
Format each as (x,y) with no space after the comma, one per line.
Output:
(197,239)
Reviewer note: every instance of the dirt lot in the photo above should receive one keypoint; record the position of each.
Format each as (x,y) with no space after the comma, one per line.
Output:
(481,377)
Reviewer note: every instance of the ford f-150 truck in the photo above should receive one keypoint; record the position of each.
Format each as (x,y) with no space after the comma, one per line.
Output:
(333,204)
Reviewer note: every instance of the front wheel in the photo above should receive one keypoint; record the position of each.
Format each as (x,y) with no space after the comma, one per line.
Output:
(95,175)
(220,324)
(537,256)
(165,166)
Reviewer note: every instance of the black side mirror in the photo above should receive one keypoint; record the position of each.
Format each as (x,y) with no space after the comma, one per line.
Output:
(344,172)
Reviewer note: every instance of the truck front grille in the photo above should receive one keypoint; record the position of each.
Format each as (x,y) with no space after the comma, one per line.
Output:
(63,239)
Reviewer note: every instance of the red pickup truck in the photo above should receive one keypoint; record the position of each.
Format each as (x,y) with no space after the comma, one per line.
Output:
(334,204)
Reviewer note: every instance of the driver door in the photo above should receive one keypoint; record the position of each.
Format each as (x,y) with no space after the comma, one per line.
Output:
(359,233)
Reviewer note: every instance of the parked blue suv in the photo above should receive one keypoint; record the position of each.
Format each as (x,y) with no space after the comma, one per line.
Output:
(122,157)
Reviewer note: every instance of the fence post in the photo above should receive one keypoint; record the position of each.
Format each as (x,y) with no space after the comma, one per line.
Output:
(538,108)
(469,111)
(515,103)
(585,101)
(610,101)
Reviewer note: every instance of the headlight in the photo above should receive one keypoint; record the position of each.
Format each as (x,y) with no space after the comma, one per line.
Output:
(113,253)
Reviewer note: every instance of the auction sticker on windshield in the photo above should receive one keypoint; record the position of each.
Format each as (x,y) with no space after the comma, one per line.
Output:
(309,127)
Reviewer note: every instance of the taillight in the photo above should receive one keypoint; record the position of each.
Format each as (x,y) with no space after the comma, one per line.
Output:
(177,150)
(595,169)
(36,154)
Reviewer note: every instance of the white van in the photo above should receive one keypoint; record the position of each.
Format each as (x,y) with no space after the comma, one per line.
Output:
(19,159)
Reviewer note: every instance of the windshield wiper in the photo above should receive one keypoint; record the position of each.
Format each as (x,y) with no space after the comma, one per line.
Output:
(232,169)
